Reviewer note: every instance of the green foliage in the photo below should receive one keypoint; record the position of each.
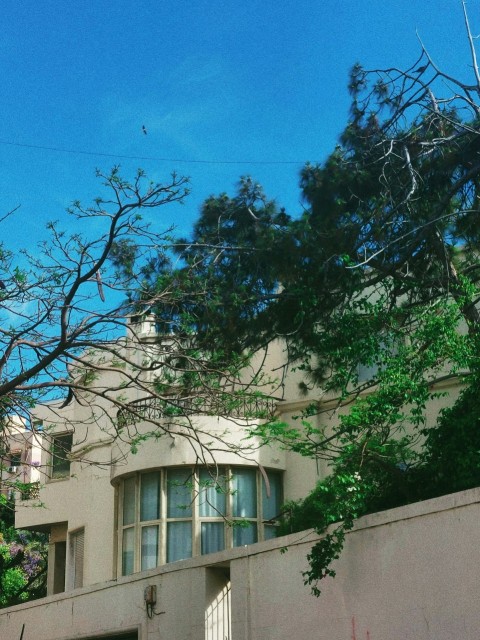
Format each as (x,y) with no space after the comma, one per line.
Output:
(368,279)
(229,273)
(379,276)
(382,454)
(373,292)
(375,475)
(450,458)
(386,280)
(23,565)
(12,582)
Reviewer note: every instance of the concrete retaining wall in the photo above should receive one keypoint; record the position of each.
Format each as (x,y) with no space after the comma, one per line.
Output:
(409,573)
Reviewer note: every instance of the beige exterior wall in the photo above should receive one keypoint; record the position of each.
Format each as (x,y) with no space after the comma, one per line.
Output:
(86,499)
(409,573)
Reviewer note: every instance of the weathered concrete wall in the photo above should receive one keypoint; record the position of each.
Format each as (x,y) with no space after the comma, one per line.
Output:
(410,573)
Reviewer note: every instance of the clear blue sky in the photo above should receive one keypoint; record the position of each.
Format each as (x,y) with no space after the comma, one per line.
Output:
(218,81)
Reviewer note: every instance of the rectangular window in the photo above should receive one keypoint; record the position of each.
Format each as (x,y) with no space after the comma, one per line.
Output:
(149,548)
(128,549)
(272,495)
(59,557)
(150,496)
(244,485)
(179,540)
(244,505)
(61,448)
(129,501)
(272,499)
(244,533)
(77,543)
(212,494)
(179,493)
(388,346)
(213,537)
(15,461)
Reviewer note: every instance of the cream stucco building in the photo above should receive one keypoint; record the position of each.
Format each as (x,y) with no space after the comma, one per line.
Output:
(178,539)
(200,487)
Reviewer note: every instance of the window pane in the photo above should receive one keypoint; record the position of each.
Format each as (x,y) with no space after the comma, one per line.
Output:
(77,543)
(270,531)
(213,537)
(179,541)
(271,505)
(149,547)
(62,446)
(129,501)
(212,494)
(244,534)
(15,458)
(150,496)
(179,493)
(128,543)
(244,493)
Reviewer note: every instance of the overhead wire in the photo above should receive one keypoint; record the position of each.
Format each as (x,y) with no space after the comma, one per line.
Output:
(153,158)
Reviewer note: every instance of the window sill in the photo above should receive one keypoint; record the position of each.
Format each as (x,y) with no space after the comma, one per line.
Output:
(57,479)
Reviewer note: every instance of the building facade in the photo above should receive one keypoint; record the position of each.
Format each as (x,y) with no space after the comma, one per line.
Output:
(119,496)
(20,458)
(172,532)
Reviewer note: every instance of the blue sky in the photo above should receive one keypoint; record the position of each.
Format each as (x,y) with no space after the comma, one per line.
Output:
(217,84)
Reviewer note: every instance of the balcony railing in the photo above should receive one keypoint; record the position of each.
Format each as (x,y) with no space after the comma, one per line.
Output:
(31,491)
(249,407)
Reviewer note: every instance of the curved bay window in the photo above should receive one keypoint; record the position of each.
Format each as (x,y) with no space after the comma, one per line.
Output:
(176,513)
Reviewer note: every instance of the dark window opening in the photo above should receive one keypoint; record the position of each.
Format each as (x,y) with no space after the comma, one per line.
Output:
(15,461)
(62,446)
(59,565)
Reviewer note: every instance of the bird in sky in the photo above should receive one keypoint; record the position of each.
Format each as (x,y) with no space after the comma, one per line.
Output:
(143,129)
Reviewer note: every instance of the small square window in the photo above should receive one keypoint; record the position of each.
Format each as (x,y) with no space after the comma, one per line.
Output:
(15,461)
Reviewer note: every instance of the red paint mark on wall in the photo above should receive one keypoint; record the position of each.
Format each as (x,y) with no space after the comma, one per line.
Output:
(354,633)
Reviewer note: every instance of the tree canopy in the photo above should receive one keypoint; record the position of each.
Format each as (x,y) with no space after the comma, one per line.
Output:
(373,290)
(65,309)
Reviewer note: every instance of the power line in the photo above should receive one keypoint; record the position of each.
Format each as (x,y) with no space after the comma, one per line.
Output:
(154,158)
